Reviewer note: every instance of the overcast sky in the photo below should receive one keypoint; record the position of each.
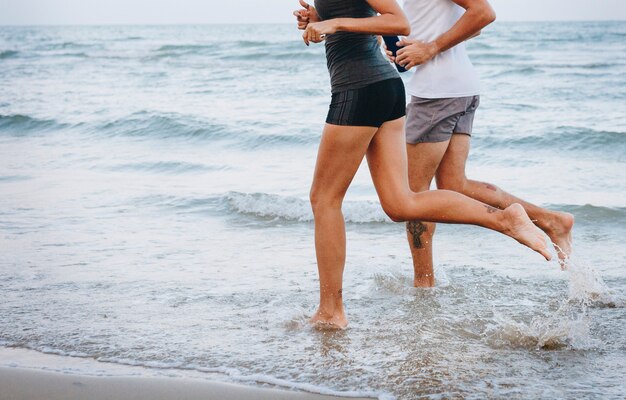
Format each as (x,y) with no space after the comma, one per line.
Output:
(20,12)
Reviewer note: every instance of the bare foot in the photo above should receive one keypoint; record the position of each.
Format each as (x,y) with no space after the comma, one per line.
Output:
(521,228)
(559,230)
(325,321)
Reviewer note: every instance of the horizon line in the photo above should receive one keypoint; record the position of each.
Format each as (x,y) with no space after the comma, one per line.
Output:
(54,24)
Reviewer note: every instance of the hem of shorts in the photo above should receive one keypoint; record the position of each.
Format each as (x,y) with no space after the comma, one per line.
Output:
(430,141)
(442,95)
(343,89)
(358,126)
(366,126)
(426,140)
(439,141)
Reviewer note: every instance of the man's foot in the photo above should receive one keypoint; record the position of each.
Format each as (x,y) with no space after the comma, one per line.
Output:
(325,321)
(559,229)
(521,228)
(424,281)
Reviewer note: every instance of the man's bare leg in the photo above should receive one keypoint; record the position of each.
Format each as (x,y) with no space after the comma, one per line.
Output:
(423,161)
(451,175)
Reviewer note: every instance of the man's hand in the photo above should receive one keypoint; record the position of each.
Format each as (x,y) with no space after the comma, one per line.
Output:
(415,52)
(305,15)
(316,32)
(389,53)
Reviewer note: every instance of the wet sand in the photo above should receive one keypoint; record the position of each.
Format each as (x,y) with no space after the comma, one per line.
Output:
(26,384)
(31,375)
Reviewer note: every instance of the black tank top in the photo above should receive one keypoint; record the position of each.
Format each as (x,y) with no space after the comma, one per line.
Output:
(354,59)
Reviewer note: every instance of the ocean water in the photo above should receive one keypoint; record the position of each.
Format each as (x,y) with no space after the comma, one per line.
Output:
(153,212)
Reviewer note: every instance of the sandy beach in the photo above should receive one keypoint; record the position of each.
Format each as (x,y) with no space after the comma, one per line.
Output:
(25,384)
(29,375)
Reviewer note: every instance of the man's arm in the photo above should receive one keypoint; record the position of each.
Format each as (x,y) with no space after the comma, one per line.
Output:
(478,14)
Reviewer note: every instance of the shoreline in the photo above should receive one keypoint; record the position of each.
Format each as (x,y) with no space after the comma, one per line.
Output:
(31,375)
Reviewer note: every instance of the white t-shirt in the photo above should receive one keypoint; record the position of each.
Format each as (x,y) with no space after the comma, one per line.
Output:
(450,73)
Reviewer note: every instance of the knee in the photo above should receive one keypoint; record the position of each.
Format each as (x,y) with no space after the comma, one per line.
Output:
(315,198)
(321,200)
(395,211)
(420,188)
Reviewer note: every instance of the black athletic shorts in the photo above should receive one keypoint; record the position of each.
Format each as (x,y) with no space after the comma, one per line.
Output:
(372,105)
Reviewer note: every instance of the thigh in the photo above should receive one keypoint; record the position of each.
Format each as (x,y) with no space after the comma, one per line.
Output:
(451,170)
(341,151)
(423,161)
(465,124)
(387,161)
(432,120)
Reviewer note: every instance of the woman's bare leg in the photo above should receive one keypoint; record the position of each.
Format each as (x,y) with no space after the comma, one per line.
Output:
(387,160)
(341,151)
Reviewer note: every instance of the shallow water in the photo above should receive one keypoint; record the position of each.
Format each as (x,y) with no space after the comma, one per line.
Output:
(153,211)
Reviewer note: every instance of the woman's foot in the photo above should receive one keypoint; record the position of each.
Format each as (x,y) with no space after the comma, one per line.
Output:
(329,321)
(518,226)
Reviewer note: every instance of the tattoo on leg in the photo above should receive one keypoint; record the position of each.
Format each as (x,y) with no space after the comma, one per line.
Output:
(490,209)
(416,228)
(491,187)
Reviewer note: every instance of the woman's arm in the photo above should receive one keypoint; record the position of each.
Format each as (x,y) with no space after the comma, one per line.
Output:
(306,15)
(391,21)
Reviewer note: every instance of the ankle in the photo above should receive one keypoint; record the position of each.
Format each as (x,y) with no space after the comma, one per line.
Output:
(424,279)
(555,222)
(330,307)
(502,221)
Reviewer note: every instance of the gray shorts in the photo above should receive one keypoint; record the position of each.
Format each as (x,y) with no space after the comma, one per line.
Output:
(435,120)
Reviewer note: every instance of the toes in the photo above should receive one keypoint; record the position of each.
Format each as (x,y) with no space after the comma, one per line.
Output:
(544,250)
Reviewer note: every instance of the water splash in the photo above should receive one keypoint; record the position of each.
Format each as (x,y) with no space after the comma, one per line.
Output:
(393,283)
(569,326)
(587,286)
